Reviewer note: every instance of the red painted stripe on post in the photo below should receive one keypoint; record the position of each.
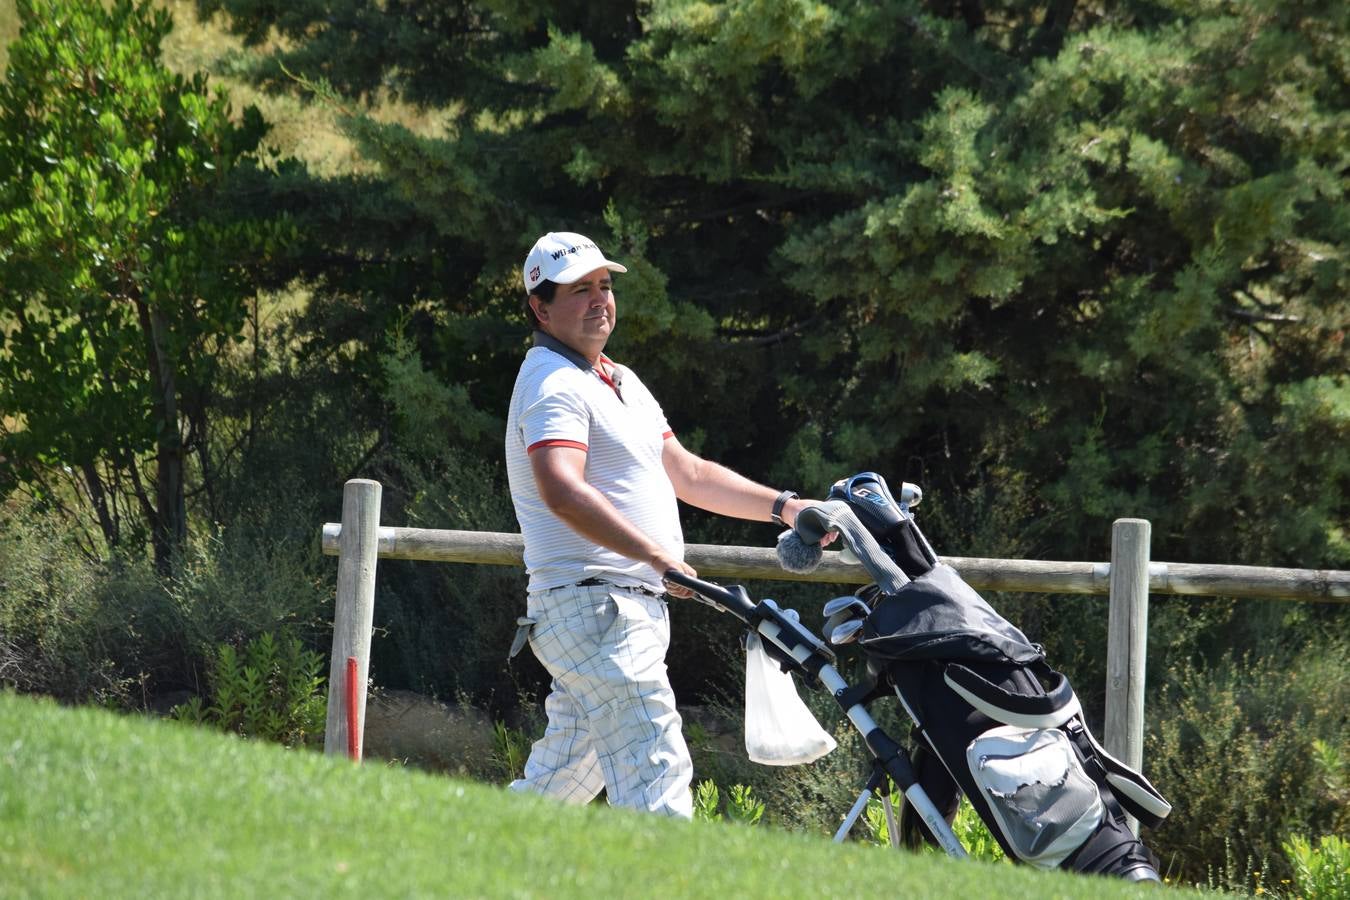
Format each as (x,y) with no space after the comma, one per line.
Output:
(353,727)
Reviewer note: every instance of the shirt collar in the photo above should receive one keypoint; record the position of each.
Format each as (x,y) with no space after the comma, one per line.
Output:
(548,341)
(614,379)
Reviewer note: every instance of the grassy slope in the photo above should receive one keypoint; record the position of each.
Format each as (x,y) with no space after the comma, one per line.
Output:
(97,804)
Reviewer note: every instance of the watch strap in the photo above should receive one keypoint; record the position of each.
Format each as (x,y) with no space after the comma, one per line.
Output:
(779,502)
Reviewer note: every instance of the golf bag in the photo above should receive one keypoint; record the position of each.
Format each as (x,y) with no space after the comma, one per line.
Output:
(992,719)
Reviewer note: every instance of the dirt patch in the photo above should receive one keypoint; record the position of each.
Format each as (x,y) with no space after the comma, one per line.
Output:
(412,729)
(415,730)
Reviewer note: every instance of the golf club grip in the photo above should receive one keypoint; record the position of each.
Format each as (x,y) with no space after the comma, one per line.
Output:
(733,602)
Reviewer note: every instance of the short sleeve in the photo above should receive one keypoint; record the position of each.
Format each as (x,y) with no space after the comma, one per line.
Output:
(555,417)
(649,403)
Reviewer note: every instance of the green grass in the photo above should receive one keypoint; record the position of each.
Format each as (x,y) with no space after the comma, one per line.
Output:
(97,804)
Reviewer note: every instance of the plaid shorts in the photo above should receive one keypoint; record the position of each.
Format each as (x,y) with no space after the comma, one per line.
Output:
(612,721)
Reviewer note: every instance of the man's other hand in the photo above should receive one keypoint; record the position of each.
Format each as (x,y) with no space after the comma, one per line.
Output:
(663,562)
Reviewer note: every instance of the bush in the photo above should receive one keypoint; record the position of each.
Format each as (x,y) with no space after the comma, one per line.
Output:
(741,805)
(59,635)
(238,583)
(1234,750)
(115,633)
(273,690)
(968,827)
(1321,871)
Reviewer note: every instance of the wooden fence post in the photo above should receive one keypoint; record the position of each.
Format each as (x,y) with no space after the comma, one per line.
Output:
(1126,643)
(353,614)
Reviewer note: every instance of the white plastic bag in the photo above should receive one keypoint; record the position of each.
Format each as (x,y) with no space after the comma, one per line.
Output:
(779,729)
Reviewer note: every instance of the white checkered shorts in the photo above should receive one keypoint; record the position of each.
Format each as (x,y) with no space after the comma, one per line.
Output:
(612,721)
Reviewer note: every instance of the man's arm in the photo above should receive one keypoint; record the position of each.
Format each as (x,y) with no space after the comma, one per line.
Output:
(560,473)
(717,489)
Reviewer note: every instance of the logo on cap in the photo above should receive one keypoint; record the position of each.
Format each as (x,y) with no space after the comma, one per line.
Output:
(534,274)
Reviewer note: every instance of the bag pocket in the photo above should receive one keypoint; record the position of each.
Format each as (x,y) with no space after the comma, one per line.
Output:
(1042,800)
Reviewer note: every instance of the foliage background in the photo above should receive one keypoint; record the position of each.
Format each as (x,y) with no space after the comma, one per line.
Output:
(1059,263)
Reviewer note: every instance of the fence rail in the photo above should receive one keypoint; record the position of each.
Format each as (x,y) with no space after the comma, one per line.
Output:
(501,548)
(359,541)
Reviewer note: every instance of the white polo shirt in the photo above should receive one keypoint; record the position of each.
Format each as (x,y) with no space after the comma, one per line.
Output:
(560,400)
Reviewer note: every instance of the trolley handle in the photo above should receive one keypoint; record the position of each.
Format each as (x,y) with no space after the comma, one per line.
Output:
(734,599)
(789,641)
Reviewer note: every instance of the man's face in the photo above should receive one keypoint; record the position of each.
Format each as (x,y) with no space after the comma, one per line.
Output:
(582,313)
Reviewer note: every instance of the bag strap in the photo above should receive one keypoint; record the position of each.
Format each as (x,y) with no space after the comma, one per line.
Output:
(1136,793)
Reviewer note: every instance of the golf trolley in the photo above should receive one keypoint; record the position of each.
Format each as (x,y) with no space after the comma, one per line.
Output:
(991,719)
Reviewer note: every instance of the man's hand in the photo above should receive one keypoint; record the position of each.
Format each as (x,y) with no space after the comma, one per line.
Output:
(662,562)
(796,505)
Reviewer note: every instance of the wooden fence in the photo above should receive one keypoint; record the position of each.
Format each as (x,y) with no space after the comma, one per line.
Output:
(359,541)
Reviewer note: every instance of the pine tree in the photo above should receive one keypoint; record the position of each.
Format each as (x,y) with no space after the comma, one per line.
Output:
(1076,262)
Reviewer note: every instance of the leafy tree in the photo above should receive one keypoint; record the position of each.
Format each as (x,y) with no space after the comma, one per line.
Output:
(126,263)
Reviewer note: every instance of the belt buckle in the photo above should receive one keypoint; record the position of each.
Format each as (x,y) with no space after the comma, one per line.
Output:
(640,588)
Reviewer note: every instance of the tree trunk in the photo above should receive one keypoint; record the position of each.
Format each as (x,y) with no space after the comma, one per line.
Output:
(169,527)
(98,496)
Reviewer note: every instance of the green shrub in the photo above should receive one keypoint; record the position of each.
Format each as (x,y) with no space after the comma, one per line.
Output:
(707,801)
(741,805)
(237,583)
(62,632)
(968,827)
(1232,875)
(273,691)
(1333,783)
(115,633)
(1321,871)
(1234,750)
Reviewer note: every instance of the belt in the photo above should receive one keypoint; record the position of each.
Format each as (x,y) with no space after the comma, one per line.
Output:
(525,623)
(641,588)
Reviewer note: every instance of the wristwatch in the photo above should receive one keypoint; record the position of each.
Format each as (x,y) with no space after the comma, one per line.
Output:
(778,504)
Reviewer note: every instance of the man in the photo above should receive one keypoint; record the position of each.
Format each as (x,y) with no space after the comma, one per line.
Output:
(595,472)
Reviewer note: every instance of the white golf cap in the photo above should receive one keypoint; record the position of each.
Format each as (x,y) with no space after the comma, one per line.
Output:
(562,257)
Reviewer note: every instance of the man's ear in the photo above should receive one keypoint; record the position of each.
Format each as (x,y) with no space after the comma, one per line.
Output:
(540,308)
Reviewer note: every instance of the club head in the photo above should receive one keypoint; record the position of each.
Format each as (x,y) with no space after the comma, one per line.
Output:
(846,632)
(839,604)
(911,495)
